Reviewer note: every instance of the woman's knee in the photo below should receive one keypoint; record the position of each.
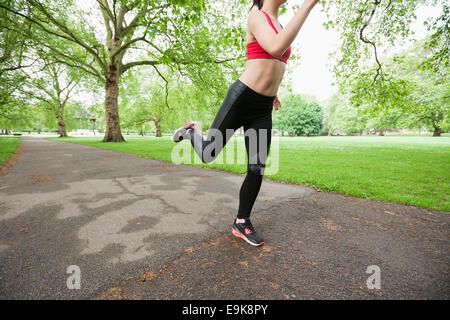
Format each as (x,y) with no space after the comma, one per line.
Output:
(256,169)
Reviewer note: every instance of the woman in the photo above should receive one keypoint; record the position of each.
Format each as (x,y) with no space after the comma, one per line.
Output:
(249,103)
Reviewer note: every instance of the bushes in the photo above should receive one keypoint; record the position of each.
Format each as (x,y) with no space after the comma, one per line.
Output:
(298,117)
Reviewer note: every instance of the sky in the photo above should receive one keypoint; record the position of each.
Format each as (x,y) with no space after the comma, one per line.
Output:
(314,43)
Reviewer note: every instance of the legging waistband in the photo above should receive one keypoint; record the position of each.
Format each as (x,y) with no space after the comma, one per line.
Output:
(258,96)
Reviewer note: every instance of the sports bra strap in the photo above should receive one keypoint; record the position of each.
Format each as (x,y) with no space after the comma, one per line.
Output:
(270,20)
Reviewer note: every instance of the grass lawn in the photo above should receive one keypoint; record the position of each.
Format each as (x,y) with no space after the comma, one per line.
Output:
(405,169)
(8,147)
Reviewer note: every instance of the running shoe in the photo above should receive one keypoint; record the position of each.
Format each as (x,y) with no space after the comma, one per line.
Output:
(180,134)
(247,232)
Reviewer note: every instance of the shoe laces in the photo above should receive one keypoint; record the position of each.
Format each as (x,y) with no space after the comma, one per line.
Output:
(248,224)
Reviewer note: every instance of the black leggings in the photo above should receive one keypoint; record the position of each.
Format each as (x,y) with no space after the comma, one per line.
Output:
(242,107)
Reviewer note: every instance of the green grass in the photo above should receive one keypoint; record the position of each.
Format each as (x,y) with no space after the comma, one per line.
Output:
(406,169)
(8,147)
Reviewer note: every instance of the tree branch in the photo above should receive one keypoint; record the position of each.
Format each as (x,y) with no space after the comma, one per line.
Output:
(167,86)
(129,65)
(379,70)
(65,30)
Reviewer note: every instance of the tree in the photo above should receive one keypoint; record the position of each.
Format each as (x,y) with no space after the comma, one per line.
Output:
(16,115)
(439,41)
(170,32)
(143,102)
(420,94)
(349,119)
(53,89)
(330,109)
(13,57)
(385,120)
(431,86)
(13,50)
(298,116)
(368,29)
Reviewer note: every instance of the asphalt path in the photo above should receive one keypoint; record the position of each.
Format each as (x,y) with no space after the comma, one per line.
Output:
(139,228)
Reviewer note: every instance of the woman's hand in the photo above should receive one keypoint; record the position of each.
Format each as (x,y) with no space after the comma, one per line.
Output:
(276,103)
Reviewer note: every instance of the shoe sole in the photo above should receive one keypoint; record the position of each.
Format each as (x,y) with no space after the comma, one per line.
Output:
(176,135)
(238,234)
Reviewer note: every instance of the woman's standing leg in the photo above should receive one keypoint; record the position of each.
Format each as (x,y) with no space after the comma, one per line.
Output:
(258,136)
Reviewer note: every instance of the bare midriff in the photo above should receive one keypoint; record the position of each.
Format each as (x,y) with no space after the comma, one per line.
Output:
(263,75)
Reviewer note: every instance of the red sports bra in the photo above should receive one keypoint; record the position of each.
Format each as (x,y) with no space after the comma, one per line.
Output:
(255,51)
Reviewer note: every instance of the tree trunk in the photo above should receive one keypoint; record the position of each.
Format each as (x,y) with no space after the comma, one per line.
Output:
(158,128)
(437,132)
(381,133)
(62,127)
(113,132)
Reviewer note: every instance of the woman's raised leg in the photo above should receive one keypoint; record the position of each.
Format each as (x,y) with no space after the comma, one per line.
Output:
(226,122)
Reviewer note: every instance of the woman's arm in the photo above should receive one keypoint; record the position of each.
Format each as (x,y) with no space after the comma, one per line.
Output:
(277,44)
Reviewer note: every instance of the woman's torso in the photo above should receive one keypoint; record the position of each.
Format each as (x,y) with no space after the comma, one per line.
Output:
(263,75)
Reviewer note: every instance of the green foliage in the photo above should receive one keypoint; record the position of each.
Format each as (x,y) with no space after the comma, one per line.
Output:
(177,34)
(363,25)
(189,50)
(296,116)
(13,51)
(431,87)
(143,101)
(405,94)
(349,119)
(392,92)
(367,29)
(16,115)
(439,41)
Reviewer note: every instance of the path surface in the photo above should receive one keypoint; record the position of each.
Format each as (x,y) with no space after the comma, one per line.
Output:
(146,229)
